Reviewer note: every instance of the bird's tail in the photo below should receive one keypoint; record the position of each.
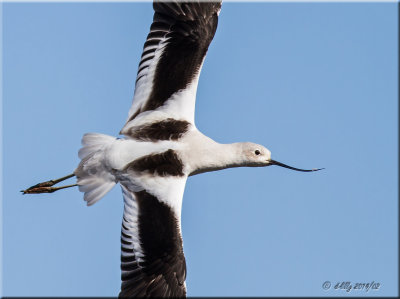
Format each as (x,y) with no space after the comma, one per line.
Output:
(92,175)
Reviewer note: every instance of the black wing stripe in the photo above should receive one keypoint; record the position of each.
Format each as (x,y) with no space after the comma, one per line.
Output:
(156,34)
(129,267)
(128,259)
(138,78)
(126,250)
(151,42)
(123,241)
(149,57)
(162,164)
(125,236)
(167,129)
(143,67)
(148,52)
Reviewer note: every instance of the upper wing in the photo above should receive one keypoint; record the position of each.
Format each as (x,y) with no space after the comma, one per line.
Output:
(171,61)
(152,259)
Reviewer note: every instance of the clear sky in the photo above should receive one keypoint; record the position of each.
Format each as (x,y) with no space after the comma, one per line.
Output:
(315,83)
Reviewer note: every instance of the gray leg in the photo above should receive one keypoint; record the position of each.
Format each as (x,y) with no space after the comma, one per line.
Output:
(46,187)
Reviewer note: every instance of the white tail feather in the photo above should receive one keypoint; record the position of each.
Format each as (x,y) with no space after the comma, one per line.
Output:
(93,142)
(94,179)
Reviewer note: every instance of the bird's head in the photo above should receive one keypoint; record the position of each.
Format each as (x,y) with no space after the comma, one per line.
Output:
(257,155)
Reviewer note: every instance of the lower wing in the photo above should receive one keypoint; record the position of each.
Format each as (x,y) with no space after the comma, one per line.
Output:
(152,259)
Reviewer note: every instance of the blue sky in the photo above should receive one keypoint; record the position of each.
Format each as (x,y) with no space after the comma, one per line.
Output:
(315,83)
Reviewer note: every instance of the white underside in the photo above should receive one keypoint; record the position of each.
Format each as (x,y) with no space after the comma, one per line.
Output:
(104,159)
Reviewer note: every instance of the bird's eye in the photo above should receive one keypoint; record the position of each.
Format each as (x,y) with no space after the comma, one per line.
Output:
(257,152)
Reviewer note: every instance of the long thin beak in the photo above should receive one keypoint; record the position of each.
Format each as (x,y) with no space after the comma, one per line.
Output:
(273,162)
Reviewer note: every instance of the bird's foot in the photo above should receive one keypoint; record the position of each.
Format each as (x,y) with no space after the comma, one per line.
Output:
(47,187)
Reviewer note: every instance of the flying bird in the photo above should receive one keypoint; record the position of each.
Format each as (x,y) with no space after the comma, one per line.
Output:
(160,149)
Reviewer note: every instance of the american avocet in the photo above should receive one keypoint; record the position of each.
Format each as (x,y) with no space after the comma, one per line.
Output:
(161,149)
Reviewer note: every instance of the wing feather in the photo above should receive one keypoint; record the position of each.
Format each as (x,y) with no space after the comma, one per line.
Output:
(152,259)
(172,58)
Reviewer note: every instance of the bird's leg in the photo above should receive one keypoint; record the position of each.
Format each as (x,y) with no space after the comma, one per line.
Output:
(47,187)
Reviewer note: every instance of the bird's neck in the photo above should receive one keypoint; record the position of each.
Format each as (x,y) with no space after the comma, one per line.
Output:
(207,155)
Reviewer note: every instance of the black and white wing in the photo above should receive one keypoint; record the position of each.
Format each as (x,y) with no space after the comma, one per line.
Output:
(152,259)
(172,58)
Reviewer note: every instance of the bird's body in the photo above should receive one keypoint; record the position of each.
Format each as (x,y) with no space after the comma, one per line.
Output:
(160,149)
(137,163)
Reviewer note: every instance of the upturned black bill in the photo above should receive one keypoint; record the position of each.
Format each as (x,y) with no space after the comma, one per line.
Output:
(273,162)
